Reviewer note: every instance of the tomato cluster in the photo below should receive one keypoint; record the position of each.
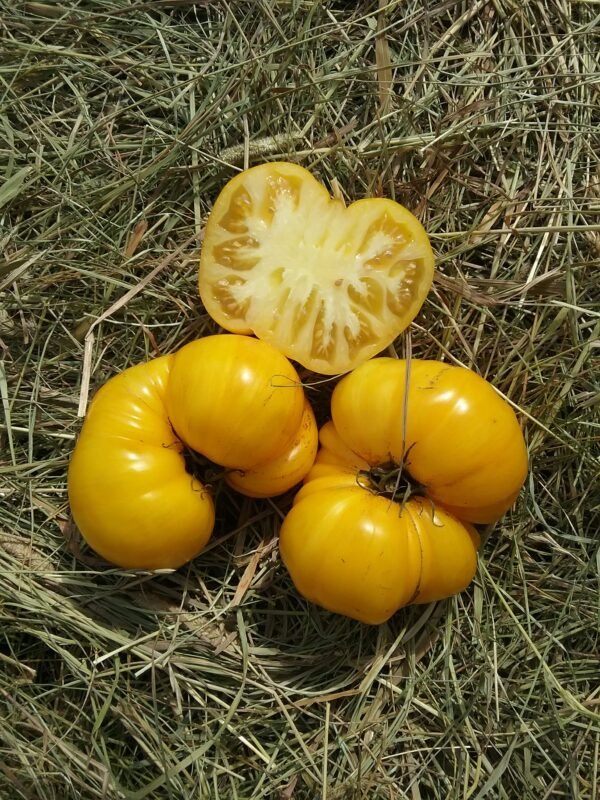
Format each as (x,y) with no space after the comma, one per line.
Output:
(415,455)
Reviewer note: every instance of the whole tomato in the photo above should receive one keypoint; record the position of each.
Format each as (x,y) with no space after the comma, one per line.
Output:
(233,399)
(355,551)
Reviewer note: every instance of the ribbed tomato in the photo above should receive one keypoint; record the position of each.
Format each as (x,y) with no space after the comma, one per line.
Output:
(358,553)
(233,399)
(130,494)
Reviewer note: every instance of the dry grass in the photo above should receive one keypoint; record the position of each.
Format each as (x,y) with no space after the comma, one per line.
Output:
(119,124)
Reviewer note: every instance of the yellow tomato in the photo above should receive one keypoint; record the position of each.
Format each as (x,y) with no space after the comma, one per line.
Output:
(233,399)
(462,441)
(361,555)
(328,286)
(281,473)
(358,553)
(129,491)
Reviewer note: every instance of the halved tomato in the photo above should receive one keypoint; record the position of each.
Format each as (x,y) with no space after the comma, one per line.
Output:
(328,286)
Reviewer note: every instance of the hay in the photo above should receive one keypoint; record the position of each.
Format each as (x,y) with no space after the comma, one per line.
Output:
(119,124)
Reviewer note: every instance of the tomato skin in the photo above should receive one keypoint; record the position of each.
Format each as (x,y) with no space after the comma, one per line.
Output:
(285,471)
(360,554)
(348,551)
(462,440)
(129,491)
(234,399)
(231,398)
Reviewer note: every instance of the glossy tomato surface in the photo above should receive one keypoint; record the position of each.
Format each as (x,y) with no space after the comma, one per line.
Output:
(459,439)
(130,494)
(234,399)
(356,552)
(276,476)
(361,555)
(328,286)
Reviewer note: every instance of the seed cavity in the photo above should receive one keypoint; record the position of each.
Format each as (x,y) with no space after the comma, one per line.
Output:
(240,208)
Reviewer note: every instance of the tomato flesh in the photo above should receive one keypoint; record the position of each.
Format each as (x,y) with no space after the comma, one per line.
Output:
(328,286)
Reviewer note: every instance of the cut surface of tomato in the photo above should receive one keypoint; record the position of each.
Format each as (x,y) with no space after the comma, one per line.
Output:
(328,286)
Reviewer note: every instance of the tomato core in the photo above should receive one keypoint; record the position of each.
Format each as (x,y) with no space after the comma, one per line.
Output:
(391,480)
(202,468)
